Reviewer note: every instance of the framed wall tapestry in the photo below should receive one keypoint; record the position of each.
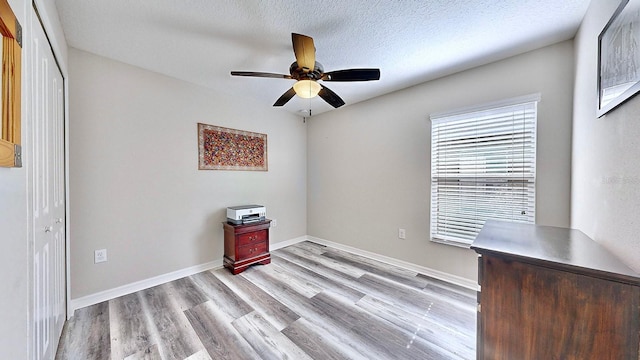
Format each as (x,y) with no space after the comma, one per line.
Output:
(222,148)
(619,57)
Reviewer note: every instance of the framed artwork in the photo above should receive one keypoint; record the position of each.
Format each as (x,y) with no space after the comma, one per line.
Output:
(619,57)
(221,148)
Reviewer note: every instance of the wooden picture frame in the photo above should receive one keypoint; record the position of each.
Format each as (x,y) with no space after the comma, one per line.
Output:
(11,31)
(619,57)
(221,148)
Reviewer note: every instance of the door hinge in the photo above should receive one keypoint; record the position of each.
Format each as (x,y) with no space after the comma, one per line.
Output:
(17,149)
(18,33)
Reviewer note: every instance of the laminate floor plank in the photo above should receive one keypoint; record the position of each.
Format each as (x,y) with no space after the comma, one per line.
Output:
(311,302)
(375,285)
(386,340)
(128,327)
(462,300)
(458,343)
(406,297)
(279,315)
(320,344)
(302,285)
(216,332)
(446,285)
(176,338)
(314,317)
(372,267)
(331,323)
(225,298)
(266,340)
(187,293)
(200,355)
(417,302)
(87,335)
(344,268)
(363,260)
(281,291)
(150,353)
(321,281)
(312,247)
(352,323)
(309,262)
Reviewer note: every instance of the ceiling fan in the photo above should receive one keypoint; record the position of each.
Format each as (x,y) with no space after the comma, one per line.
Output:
(307,71)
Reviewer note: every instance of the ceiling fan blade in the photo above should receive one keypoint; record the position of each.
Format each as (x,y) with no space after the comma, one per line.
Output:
(285,97)
(352,75)
(260,74)
(305,51)
(330,97)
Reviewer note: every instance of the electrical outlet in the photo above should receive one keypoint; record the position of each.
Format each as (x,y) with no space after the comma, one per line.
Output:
(100,256)
(402,234)
(274,222)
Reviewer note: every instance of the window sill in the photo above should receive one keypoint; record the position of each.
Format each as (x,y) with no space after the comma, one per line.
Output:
(459,244)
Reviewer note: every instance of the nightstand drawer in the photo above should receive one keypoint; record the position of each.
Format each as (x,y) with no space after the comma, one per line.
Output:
(252,250)
(252,238)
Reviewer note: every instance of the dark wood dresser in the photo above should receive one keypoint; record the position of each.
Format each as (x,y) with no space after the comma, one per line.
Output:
(245,245)
(553,293)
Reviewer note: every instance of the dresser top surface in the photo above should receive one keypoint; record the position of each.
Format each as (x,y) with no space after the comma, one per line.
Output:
(568,249)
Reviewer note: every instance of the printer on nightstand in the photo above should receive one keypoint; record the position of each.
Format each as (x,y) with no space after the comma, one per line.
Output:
(246,214)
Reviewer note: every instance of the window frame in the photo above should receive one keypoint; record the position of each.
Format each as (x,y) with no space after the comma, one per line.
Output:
(10,139)
(528,183)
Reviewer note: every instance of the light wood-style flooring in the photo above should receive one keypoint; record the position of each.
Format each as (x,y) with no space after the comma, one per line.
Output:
(311,302)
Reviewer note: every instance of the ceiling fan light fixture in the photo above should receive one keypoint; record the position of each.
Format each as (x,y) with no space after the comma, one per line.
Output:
(307,89)
(307,71)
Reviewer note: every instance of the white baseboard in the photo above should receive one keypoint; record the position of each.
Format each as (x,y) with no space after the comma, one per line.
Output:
(161,279)
(453,279)
(157,280)
(281,244)
(140,285)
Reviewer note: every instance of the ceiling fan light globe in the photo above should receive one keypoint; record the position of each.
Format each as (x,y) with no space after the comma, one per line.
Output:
(306,89)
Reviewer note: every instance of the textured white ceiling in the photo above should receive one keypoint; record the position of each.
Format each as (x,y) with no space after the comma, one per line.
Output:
(411,41)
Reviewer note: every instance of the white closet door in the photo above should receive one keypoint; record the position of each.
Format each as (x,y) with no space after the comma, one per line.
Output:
(46,101)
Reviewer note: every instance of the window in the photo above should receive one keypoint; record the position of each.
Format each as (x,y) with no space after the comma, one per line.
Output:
(482,167)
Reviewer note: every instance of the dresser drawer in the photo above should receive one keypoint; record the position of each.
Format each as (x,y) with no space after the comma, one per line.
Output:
(249,251)
(252,238)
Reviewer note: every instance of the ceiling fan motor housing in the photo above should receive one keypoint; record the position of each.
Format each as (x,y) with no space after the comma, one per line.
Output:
(300,73)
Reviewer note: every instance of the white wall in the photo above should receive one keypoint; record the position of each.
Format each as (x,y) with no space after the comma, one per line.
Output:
(605,193)
(14,268)
(369,163)
(135,185)
(13,264)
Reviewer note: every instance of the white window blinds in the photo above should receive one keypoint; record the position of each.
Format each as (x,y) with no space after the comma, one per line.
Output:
(483,166)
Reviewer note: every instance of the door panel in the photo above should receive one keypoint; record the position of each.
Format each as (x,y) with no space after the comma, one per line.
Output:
(46,101)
